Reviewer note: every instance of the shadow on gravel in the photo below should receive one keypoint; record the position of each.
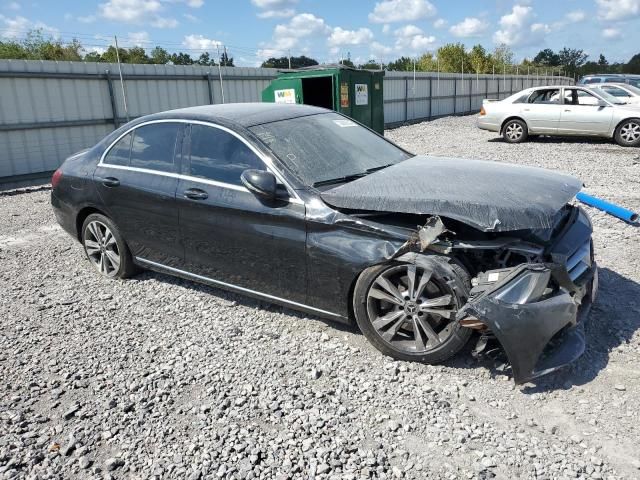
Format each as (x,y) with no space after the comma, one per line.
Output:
(614,319)
(557,139)
(240,299)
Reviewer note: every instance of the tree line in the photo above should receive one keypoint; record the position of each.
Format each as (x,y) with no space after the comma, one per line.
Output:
(452,58)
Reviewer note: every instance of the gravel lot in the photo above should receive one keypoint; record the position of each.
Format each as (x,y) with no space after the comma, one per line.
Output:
(157,377)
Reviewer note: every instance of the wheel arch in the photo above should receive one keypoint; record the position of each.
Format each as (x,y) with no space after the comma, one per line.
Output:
(512,117)
(619,124)
(82,216)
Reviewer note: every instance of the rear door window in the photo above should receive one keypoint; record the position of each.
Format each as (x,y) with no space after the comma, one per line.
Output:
(220,156)
(119,154)
(548,96)
(154,147)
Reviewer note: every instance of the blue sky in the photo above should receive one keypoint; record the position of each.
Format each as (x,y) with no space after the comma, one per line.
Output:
(253,30)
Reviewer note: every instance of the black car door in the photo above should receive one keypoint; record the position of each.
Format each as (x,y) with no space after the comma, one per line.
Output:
(229,235)
(137,180)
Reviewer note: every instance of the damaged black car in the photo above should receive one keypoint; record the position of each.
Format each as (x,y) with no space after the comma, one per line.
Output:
(304,207)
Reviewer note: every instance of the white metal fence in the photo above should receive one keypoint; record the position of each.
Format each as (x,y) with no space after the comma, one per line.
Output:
(49,110)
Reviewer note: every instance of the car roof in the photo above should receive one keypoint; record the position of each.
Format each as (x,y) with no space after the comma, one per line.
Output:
(241,114)
(607,84)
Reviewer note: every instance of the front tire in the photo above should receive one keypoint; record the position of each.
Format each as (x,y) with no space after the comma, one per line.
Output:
(628,133)
(515,131)
(105,248)
(408,310)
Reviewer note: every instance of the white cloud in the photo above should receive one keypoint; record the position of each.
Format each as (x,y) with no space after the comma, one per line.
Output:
(199,42)
(138,39)
(389,11)
(379,50)
(87,19)
(340,37)
(19,26)
(13,6)
(440,23)
(303,26)
(611,33)
(469,27)
(275,8)
(411,38)
(284,13)
(386,28)
(618,9)
(519,28)
(137,12)
(191,18)
(195,3)
(576,16)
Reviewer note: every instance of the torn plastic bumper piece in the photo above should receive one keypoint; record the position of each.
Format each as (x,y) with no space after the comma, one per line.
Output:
(539,331)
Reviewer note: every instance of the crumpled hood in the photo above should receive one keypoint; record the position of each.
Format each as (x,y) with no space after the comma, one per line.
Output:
(489,196)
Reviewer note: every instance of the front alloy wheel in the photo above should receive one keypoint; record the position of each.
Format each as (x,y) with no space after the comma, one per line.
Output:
(409,311)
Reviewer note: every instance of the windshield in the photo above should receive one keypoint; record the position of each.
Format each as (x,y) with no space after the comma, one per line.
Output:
(610,98)
(328,148)
(633,89)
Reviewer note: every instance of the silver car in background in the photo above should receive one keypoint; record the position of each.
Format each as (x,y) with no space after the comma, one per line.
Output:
(562,110)
(622,91)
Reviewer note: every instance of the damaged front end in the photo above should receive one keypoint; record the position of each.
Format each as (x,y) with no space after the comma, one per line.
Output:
(537,310)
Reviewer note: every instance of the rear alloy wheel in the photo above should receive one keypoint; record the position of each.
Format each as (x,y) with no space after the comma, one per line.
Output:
(628,133)
(515,131)
(105,248)
(409,311)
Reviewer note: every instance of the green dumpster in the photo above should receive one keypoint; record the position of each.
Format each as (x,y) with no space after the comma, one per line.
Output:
(355,93)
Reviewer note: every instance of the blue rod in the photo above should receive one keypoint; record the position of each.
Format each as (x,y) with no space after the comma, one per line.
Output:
(611,208)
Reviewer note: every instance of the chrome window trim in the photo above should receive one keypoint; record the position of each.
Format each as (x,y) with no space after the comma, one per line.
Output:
(235,287)
(294,198)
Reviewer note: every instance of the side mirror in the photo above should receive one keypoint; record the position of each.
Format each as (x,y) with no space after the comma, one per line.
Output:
(261,183)
(602,103)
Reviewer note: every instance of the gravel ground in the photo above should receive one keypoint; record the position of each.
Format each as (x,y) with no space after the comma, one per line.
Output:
(157,377)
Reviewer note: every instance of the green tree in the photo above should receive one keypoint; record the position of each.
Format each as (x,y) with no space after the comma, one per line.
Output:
(283,62)
(137,55)
(372,64)
(159,56)
(547,57)
(634,64)
(13,50)
(402,64)
(426,63)
(225,61)
(501,57)
(479,59)
(572,59)
(347,62)
(181,59)
(602,61)
(205,59)
(452,56)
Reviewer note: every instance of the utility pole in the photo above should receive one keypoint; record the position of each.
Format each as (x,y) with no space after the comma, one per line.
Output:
(289,57)
(220,73)
(124,95)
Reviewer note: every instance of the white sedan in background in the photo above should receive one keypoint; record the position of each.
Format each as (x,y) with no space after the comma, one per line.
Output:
(622,91)
(562,110)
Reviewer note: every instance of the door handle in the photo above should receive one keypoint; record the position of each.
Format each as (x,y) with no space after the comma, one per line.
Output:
(111,182)
(196,194)
(527,109)
(567,110)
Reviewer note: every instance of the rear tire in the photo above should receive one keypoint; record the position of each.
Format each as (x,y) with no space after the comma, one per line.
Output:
(408,311)
(628,133)
(515,131)
(105,248)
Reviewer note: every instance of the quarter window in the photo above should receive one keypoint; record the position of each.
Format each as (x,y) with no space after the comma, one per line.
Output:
(153,147)
(119,154)
(218,155)
(615,91)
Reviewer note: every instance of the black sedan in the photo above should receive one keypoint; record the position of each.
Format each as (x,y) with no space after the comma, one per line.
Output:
(303,207)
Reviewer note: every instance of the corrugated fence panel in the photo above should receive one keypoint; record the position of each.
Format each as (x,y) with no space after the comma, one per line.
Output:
(50,110)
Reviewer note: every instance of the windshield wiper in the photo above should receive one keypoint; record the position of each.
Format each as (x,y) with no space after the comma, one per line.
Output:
(345,179)
(375,169)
